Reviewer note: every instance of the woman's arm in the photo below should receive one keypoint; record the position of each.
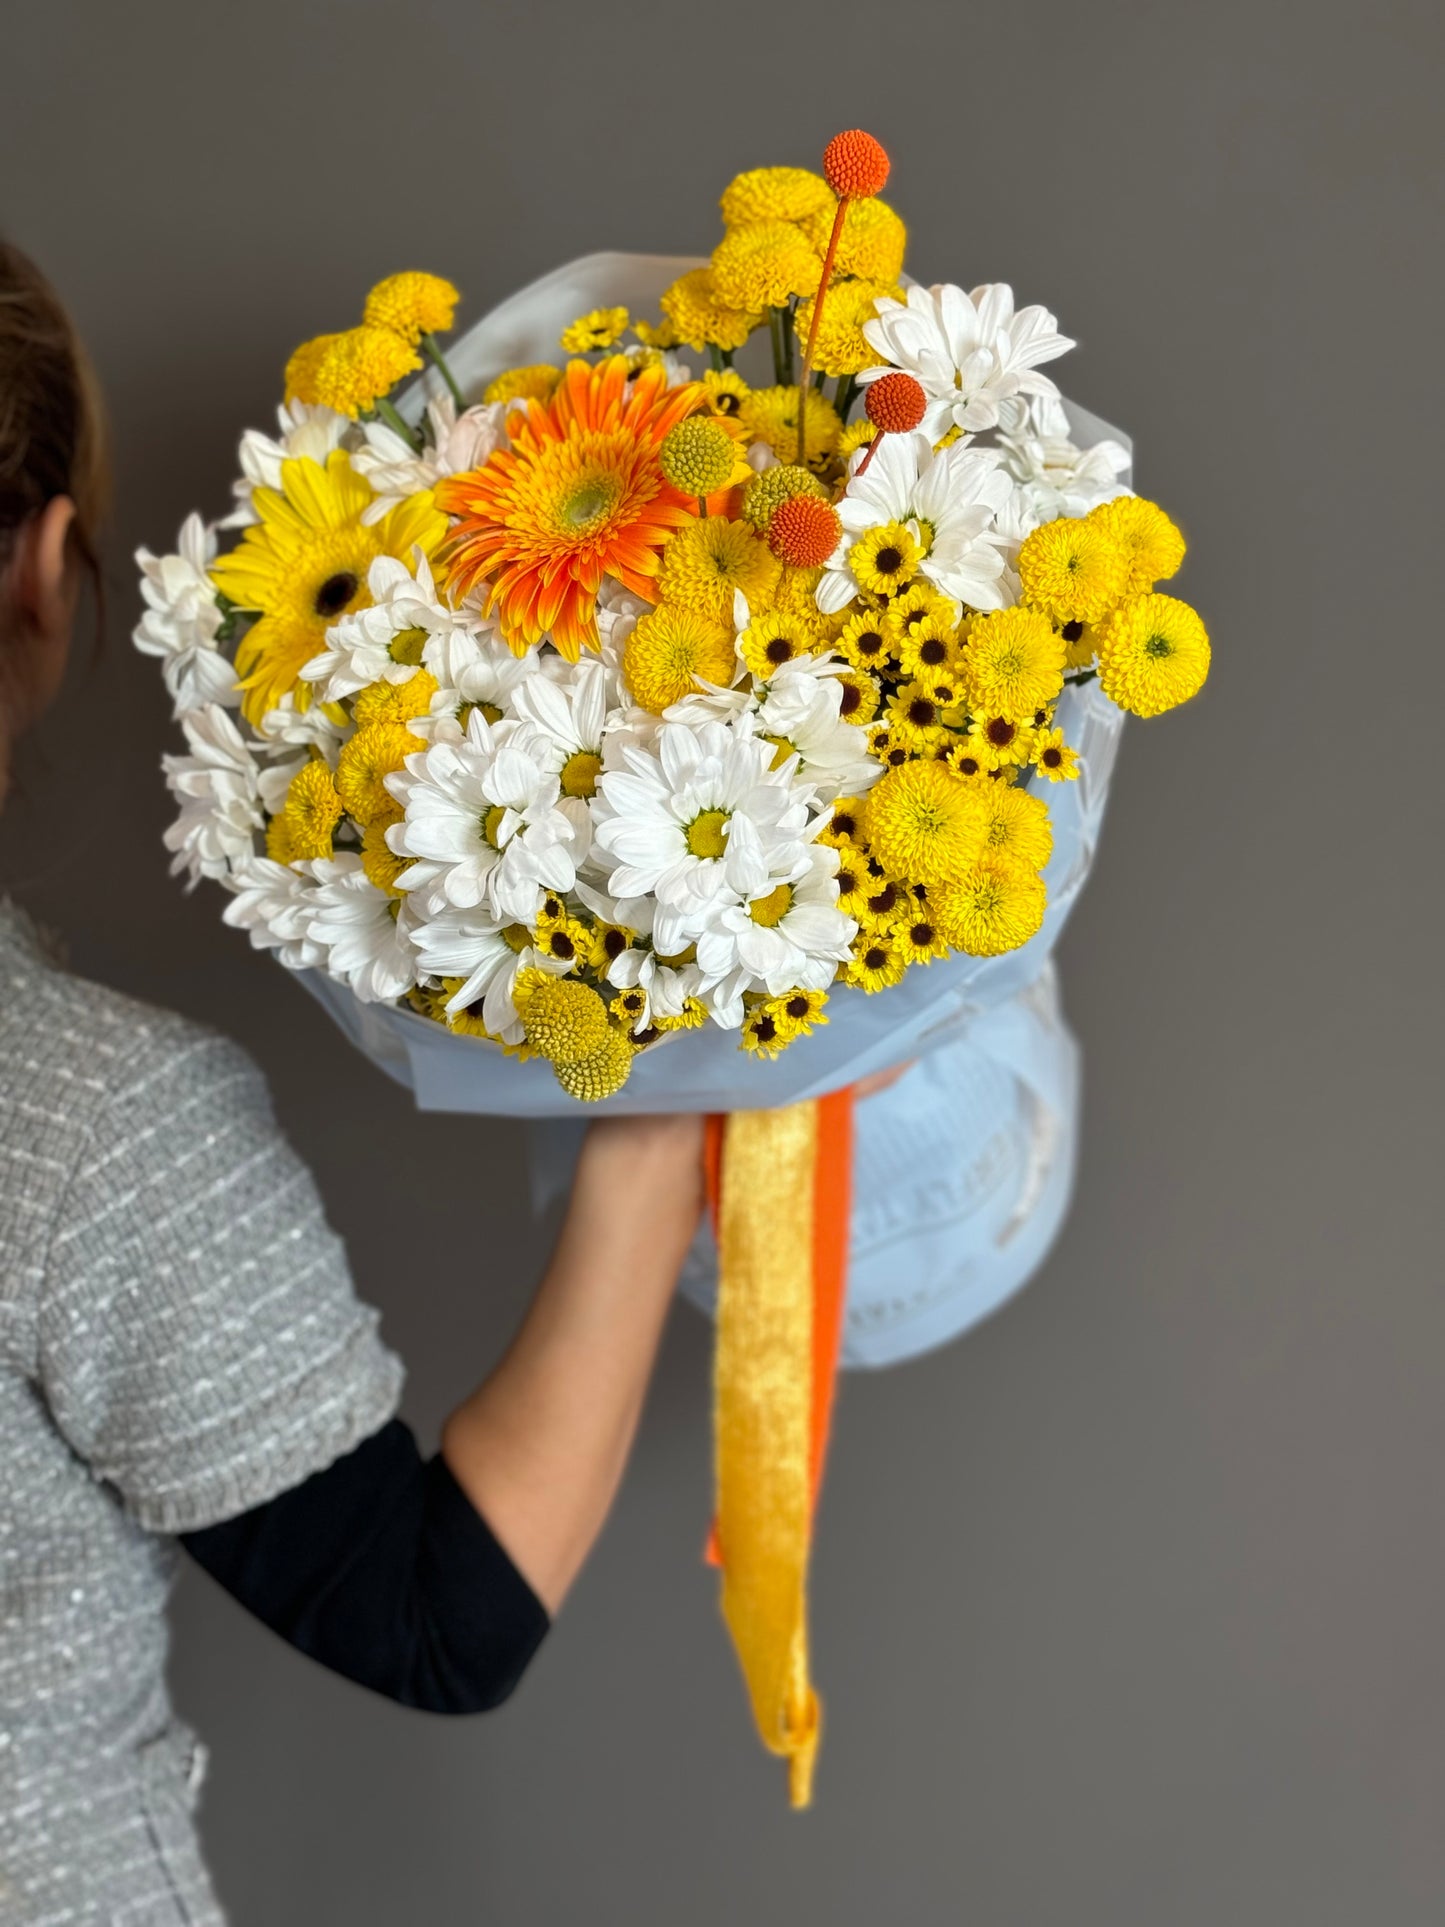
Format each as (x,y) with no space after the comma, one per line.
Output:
(539,1448)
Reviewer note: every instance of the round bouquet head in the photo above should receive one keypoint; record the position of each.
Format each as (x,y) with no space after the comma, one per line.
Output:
(672,691)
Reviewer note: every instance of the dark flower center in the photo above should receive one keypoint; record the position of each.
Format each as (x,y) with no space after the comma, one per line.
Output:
(874,959)
(561,945)
(921,713)
(888,561)
(1052,758)
(797,1007)
(933,652)
(765,1030)
(335,592)
(1000,733)
(1072,631)
(779,649)
(852,696)
(614,943)
(870,643)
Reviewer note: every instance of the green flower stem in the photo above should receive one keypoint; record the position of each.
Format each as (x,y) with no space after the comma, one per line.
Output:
(439,362)
(844,395)
(715,356)
(1084,675)
(394,421)
(818,379)
(702,507)
(780,368)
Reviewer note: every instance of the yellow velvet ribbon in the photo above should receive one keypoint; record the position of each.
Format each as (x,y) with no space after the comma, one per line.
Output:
(764,1411)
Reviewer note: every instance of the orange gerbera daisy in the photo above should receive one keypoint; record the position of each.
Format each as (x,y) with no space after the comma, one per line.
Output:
(578,495)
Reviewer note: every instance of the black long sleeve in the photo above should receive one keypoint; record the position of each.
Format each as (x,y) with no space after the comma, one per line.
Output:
(382,1569)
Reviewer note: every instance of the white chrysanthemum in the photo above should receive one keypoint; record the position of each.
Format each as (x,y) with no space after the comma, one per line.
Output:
(488,959)
(273,780)
(217,787)
(361,929)
(454,443)
(950,497)
(1052,476)
(308,433)
(473,669)
(182,618)
(284,726)
(791,936)
(272,902)
(801,708)
(482,824)
(700,821)
(385,642)
(972,353)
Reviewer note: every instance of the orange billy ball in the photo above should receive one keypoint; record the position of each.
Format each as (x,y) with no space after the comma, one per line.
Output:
(856,165)
(804,531)
(895,403)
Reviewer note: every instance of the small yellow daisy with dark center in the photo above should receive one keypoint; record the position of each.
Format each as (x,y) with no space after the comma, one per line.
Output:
(1000,740)
(877,961)
(566,940)
(629,1008)
(1054,758)
(772,639)
(963,755)
(724,392)
(882,897)
(863,641)
(919,603)
(762,1034)
(847,823)
(801,1010)
(857,698)
(918,935)
(592,332)
(606,943)
(886,558)
(913,717)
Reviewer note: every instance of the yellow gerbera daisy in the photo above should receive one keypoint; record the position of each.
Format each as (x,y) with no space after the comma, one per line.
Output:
(763,264)
(863,641)
(304,564)
(840,348)
(394,702)
(1014,662)
(996,907)
(1053,757)
(925,822)
(773,638)
(886,559)
(770,415)
(600,328)
(1072,570)
(412,305)
(1017,825)
(701,317)
(536,382)
(877,961)
(1153,655)
(872,243)
(1153,547)
(365,762)
(707,561)
(775,194)
(312,812)
(380,862)
(670,649)
(357,368)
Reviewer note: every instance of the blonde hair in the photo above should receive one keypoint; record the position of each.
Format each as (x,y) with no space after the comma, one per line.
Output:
(52,423)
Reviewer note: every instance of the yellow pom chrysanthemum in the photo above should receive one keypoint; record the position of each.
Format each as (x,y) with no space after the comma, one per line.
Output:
(600,328)
(1014,663)
(1072,570)
(773,638)
(280,842)
(1153,655)
(565,1021)
(536,382)
(1017,825)
(590,1079)
(840,348)
(885,559)
(925,822)
(856,435)
(670,649)
(763,264)
(698,456)
(872,243)
(300,379)
(412,305)
(1152,546)
(365,762)
(394,702)
(996,907)
(313,810)
(659,335)
(700,315)
(877,961)
(796,594)
(706,562)
(863,640)
(775,194)
(380,862)
(361,366)
(775,486)
(1053,757)
(770,415)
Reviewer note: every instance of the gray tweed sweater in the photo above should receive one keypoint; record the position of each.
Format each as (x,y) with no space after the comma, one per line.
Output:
(179,1341)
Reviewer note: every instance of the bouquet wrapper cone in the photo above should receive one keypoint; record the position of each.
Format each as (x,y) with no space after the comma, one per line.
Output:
(800,1265)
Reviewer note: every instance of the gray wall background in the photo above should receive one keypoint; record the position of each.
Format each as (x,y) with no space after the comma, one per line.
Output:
(1127,1609)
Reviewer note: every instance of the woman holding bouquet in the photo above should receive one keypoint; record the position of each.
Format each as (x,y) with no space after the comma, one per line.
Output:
(183,1359)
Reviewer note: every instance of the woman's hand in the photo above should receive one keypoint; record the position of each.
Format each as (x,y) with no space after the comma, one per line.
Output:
(540,1447)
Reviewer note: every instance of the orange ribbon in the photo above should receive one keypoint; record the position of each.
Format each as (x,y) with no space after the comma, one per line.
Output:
(779,1183)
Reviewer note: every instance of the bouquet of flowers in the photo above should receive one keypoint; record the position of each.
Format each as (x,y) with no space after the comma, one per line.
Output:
(703,687)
